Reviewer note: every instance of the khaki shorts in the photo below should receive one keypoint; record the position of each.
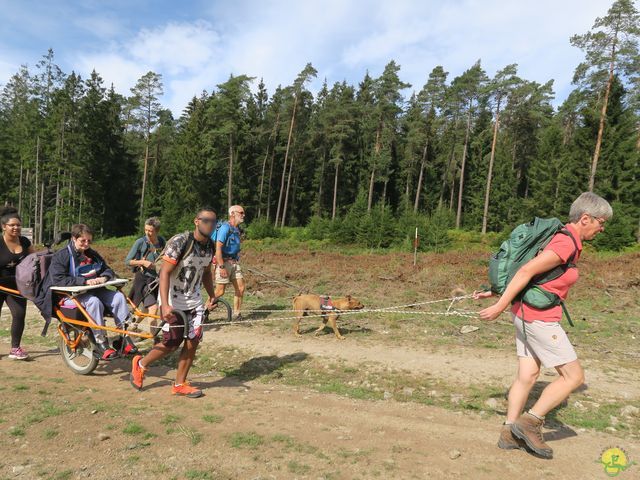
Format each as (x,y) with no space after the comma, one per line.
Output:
(545,341)
(234,272)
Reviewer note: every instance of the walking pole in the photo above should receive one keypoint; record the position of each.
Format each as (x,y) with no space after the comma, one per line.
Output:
(415,248)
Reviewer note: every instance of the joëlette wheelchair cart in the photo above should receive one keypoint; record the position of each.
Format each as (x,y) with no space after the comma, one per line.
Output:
(76,341)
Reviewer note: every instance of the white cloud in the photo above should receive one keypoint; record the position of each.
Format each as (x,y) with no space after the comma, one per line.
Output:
(113,68)
(176,47)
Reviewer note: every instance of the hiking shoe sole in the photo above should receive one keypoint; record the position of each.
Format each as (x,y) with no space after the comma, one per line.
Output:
(515,430)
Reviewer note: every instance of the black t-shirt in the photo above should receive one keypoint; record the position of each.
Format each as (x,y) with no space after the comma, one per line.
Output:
(9,260)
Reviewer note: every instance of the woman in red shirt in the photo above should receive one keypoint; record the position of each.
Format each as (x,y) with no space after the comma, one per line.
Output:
(539,338)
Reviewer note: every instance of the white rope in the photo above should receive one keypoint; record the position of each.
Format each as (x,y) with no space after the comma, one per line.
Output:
(395,309)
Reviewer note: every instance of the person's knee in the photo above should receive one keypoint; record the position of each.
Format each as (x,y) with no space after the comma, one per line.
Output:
(578,377)
(94,303)
(528,377)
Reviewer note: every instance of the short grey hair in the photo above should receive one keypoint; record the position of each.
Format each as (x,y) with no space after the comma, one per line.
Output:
(234,208)
(153,222)
(591,204)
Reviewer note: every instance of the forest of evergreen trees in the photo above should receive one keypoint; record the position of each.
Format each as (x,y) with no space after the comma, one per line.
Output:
(485,152)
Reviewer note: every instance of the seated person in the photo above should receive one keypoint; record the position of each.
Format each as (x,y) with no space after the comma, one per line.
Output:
(76,265)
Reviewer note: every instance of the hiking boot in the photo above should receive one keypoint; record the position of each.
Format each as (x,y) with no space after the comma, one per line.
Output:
(529,429)
(507,441)
(186,390)
(136,377)
(18,354)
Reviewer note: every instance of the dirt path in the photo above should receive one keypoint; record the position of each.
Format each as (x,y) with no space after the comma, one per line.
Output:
(458,365)
(263,431)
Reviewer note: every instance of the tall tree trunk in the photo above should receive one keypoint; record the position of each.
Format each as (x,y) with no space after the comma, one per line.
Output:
(321,183)
(144,179)
(80,208)
(35,213)
(487,193)
(264,164)
(603,116)
(57,208)
(269,190)
(445,174)
(20,190)
(423,162)
(286,157)
(41,215)
(230,175)
(384,193)
(372,179)
(462,168)
(335,192)
(286,197)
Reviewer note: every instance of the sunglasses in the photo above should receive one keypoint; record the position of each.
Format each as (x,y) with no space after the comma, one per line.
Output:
(207,221)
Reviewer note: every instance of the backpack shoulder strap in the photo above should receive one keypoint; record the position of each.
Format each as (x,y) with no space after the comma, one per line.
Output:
(571,260)
(188,246)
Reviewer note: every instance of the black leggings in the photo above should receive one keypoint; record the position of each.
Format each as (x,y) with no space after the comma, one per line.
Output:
(18,308)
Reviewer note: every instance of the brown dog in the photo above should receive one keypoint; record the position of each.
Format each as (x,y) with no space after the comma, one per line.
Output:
(309,304)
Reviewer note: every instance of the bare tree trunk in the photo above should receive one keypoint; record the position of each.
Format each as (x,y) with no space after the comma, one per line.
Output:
(286,197)
(462,168)
(144,179)
(451,157)
(273,158)
(321,182)
(384,193)
(603,115)
(230,176)
(487,193)
(41,215)
(377,149)
(286,157)
(20,190)
(57,211)
(452,191)
(264,164)
(35,213)
(446,172)
(416,202)
(335,192)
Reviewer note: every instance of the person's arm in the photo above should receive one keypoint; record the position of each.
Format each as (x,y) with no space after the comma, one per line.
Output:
(209,286)
(545,261)
(165,279)
(221,238)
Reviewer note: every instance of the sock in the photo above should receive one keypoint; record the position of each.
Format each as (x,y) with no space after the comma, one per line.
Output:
(531,412)
(507,422)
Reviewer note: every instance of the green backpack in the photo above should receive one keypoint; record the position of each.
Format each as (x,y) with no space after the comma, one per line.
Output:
(525,242)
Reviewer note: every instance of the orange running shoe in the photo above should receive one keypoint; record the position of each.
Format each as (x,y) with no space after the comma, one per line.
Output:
(186,390)
(136,377)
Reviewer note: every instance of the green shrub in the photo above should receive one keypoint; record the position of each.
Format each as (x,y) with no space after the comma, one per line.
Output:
(262,228)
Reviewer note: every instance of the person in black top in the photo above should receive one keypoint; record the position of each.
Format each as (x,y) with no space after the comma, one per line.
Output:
(13,248)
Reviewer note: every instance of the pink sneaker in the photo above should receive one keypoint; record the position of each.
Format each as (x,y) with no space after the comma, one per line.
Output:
(18,354)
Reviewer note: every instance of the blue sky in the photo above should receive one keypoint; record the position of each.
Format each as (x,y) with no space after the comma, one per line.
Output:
(197,44)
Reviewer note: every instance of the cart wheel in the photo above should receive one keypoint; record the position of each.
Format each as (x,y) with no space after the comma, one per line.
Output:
(222,313)
(82,361)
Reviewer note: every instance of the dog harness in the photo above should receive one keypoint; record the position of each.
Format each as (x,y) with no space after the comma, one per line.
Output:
(326,304)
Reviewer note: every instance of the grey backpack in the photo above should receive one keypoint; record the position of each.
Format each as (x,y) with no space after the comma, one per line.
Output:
(30,273)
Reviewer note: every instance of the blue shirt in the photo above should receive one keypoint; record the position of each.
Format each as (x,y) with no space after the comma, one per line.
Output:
(230,238)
